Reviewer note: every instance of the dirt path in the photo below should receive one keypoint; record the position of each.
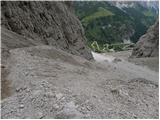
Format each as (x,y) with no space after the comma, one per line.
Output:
(49,83)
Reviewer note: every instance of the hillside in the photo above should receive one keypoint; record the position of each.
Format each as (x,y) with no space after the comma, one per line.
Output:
(115,22)
(148,44)
(48,72)
(46,23)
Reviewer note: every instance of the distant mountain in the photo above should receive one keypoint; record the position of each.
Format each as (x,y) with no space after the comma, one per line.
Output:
(116,22)
(129,4)
(150,4)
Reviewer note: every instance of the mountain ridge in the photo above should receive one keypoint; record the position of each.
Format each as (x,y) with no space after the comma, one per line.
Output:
(134,17)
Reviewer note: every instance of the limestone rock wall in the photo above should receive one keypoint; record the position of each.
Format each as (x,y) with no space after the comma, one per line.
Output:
(148,44)
(47,23)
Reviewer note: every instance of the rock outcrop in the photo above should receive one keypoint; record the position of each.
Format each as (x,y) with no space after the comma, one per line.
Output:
(46,23)
(148,44)
(41,81)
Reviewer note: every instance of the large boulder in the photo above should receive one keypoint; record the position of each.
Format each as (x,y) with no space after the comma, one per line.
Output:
(47,23)
(148,44)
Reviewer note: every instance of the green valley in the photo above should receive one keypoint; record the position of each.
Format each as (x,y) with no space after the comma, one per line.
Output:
(108,22)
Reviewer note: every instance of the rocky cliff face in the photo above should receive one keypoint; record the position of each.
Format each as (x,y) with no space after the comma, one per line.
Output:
(148,44)
(46,23)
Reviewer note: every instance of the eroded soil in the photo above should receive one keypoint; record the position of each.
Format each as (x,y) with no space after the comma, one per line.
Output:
(60,85)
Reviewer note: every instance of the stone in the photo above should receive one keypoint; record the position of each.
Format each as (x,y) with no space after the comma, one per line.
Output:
(40,115)
(69,111)
(148,44)
(56,106)
(21,106)
(117,60)
(59,96)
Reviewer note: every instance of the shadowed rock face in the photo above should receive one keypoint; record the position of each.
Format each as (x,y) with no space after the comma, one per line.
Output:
(47,23)
(147,46)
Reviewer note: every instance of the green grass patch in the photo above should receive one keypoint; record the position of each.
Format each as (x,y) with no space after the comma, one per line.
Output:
(101,12)
(148,13)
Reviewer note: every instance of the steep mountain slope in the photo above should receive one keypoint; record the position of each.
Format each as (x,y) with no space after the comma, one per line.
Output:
(114,21)
(49,23)
(26,24)
(23,25)
(42,80)
(49,83)
(148,44)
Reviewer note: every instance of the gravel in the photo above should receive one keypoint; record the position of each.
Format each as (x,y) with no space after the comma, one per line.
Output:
(50,87)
